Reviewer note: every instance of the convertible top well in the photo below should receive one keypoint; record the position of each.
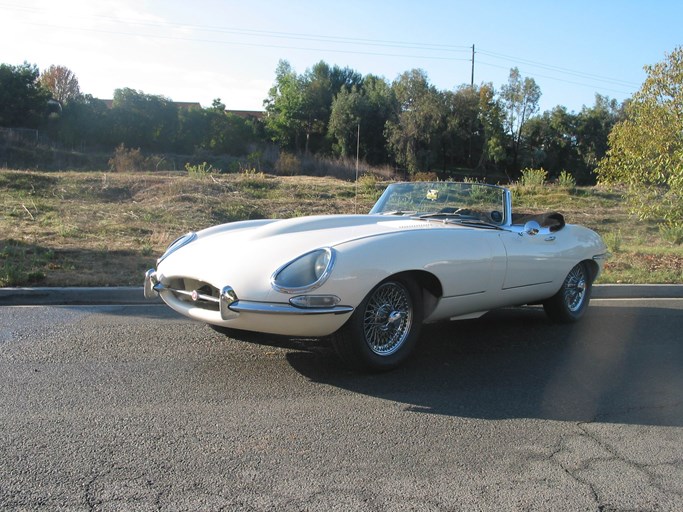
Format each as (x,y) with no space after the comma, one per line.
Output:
(554,221)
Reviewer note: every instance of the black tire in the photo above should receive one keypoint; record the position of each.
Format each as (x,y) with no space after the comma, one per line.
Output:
(569,304)
(383,330)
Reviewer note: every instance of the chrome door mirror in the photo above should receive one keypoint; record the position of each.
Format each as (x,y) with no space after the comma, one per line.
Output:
(532,228)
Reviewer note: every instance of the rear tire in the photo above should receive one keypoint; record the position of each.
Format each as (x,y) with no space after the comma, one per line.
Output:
(569,304)
(383,330)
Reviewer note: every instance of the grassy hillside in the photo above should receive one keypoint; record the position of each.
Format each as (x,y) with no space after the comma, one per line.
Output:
(106,229)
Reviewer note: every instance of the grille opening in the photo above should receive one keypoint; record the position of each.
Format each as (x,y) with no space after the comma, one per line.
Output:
(197,293)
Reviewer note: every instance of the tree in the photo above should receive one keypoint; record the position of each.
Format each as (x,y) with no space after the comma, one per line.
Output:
(62,83)
(367,107)
(593,126)
(298,108)
(491,118)
(83,121)
(520,97)
(348,108)
(461,140)
(551,141)
(413,131)
(23,101)
(143,120)
(285,116)
(646,148)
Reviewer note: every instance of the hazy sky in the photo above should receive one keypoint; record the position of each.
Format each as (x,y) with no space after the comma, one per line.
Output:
(205,49)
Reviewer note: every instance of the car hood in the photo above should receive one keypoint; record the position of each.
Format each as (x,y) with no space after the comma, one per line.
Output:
(251,251)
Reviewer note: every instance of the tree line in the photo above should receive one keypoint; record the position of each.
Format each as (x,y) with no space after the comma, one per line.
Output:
(330,111)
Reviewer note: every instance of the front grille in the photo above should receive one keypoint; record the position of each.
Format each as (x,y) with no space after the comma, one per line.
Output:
(197,293)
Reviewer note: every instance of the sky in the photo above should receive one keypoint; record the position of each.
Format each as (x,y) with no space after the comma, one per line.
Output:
(200,50)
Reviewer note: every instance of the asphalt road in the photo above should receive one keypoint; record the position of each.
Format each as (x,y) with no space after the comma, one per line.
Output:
(134,408)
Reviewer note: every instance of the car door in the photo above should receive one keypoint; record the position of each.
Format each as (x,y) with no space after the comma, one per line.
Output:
(531,258)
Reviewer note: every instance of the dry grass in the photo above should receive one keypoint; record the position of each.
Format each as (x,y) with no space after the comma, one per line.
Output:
(106,229)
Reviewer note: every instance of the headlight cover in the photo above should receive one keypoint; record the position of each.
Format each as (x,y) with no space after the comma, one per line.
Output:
(177,244)
(305,273)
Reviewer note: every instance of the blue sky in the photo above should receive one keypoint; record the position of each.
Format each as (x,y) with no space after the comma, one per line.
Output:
(206,49)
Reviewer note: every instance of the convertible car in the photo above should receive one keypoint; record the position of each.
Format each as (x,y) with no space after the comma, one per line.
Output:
(426,252)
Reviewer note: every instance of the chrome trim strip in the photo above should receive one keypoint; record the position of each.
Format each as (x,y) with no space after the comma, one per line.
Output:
(242,306)
(197,297)
(160,287)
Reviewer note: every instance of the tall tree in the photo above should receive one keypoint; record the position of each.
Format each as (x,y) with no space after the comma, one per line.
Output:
(82,122)
(520,96)
(348,109)
(285,115)
(359,116)
(646,148)
(144,120)
(593,126)
(61,82)
(23,101)
(491,118)
(461,137)
(551,141)
(412,134)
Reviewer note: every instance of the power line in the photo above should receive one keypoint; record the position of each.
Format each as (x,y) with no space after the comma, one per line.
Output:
(552,67)
(243,43)
(564,80)
(344,45)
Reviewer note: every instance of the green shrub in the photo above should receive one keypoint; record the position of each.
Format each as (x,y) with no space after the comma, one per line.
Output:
(367,185)
(424,176)
(287,165)
(199,170)
(672,233)
(613,240)
(127,160)
(566,180)
(533,178)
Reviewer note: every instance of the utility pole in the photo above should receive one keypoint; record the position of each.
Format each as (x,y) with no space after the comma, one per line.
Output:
(472,80)
(355,200)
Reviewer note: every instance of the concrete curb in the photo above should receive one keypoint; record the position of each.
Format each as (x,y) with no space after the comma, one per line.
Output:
(132,295)
(74,296)
(638,291)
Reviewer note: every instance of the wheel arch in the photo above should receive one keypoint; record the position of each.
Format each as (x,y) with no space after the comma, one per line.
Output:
(431,287)
(593,269)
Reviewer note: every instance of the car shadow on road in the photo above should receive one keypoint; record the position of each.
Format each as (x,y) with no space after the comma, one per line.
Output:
(618,365)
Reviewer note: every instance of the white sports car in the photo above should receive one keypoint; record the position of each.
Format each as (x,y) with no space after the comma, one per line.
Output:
(426,252)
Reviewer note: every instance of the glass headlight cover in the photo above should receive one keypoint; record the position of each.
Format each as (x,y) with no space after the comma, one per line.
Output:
(177,244)
(305,273)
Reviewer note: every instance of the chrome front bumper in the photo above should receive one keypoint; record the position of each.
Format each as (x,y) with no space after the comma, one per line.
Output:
(229,305)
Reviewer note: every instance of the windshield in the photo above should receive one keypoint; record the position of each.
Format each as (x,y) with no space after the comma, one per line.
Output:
(445,199)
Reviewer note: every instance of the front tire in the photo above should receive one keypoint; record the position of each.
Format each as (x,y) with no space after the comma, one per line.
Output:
(383,330)
(569,304)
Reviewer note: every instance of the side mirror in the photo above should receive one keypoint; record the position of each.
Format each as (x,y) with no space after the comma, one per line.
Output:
(532,228)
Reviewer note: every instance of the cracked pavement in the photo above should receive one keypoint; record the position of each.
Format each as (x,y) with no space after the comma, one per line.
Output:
(134,408)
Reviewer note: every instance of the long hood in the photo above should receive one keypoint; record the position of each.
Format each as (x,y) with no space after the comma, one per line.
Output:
(249,251)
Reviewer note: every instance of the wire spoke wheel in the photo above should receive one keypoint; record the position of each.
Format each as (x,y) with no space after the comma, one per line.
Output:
(385,327)
(571,301)
(388,318)
(575,288)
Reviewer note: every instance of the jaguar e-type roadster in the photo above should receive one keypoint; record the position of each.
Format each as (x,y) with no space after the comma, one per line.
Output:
(426,252)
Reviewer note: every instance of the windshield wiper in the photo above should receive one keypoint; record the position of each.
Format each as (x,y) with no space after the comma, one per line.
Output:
(399,212)
(439,214)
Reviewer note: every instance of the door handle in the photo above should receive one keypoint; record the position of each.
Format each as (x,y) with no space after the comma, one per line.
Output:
(550,238)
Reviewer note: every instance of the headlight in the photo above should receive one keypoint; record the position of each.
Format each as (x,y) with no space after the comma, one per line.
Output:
(177,244)
(305,273)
